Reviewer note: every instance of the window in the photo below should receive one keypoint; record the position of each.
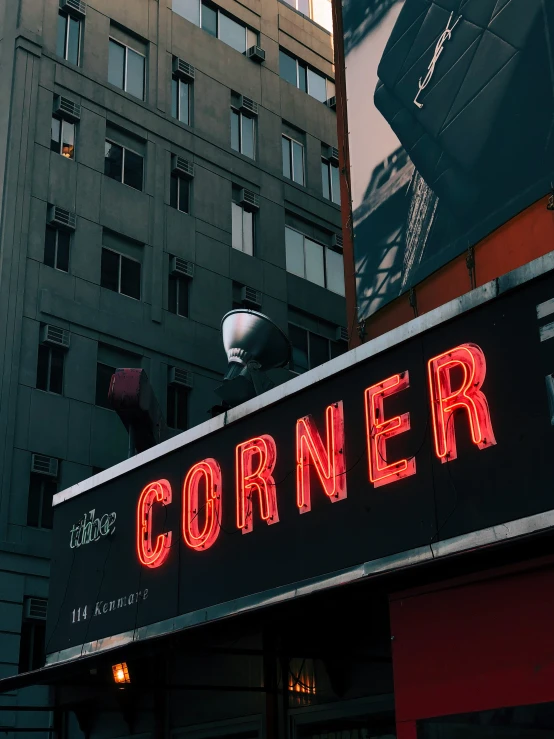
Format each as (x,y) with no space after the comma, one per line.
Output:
(330,181)
(62,139)
(126,69)
(56,248)
(293,160)
(69,38)
(309,350)
(180,193)
(103,380)
(39,503)
(33,639)
(123,165)
(178,295)
(177,407)
(243,229)
(221,25)
(180,100)
(318,10)
(308,80)
(50,369)
(120,273)
(314,262)
(243,132)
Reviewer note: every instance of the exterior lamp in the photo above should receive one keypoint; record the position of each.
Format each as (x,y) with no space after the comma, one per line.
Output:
(121,673)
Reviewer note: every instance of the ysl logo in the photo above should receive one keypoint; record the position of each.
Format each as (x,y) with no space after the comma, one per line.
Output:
(445,36)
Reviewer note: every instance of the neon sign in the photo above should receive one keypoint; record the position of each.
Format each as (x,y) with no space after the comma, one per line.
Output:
(455,380)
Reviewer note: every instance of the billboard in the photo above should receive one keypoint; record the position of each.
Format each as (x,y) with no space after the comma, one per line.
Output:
(451,129)
(442,429)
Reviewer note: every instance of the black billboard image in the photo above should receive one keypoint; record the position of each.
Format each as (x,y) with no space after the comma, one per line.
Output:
(451,129)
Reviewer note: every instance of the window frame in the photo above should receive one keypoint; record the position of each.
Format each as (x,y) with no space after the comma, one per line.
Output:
(305,67)
(219,11)
(242,115)
(63,123)
(125,149)
(57,232)
(180,180)
(50,350)
(244,210)
(177,390)
(68,17)
(112,39)
(329,165)
(119,272)
(291,159)
(325,248)
(189,85)
(42,483)
(179,281)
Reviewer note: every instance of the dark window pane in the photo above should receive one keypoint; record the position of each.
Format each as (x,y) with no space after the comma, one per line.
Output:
(113,161)
(235,128)
(209,19)
(184,102)
(325,179)
(42,367)
(116,65)
(109,271)
(299,340)
(177,398)
(287,172)
(103,380)
(247,232)
(25,645)
(232,33)
(174,191)
(49,489)
(248,136)
(130,278)
(302,77)
(135,74)
(55,136)
(317,86)
(34,501)
(62,260)
(298,163)
(183,297)
(174,98)
(37,656)
(319,350)
(132,174)
(50,247)
(189,9)
(184,187)
(172,295)
(338,348)
(56,370)
(68,140)
(287,68)
(62,25)
(74,41)
(335,182)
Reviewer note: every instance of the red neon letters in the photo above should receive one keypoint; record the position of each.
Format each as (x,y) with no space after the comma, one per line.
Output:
(209,472)
(470,359)
(379,430)
(251,477)
(152,556)
(329,463)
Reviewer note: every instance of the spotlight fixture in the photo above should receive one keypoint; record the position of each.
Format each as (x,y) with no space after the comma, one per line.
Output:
(121,673)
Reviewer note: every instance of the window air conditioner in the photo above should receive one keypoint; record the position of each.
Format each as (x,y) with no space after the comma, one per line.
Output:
(43,465)
(251,297)
(54,336)
(249,200)
(248,105)
(181,267)
(182,377)
(342,334)
(183,69)
(256,53)
(35,608)
(77,8)
(61,218)
(332,103)
(66,108)
(182,167)
(337,241)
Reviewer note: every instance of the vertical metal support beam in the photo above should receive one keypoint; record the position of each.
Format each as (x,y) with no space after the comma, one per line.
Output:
(270,664)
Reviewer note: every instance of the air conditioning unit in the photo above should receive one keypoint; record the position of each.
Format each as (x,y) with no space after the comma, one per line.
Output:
(54,336)
(337,241)
(43,465)
(181,267)
(248,105)
(66,108)
(182,167)
(256,53)
(251,296)
(249,200)
(61,218)
(77,8)
(36,608)
(332,103)
(183,69)
(182,377)
(342,334)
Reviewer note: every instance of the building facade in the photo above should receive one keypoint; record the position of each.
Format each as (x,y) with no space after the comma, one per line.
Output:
(159,166)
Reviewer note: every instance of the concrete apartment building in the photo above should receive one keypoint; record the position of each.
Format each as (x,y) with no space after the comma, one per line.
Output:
(155,174)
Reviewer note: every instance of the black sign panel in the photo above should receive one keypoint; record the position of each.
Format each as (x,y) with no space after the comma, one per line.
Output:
(100,589)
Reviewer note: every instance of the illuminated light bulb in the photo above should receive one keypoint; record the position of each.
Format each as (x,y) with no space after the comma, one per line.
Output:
(121,673)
